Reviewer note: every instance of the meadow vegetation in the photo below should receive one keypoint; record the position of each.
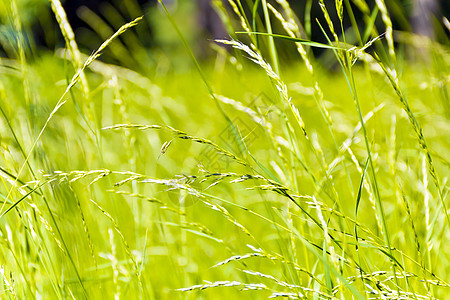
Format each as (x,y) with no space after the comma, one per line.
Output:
(245,175)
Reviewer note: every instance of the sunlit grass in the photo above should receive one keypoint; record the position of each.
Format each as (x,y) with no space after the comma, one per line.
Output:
(242,177)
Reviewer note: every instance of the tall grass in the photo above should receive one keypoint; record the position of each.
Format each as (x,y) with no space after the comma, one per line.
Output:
(295,181)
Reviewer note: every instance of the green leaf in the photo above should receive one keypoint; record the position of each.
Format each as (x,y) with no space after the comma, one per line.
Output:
(358,198)
(297,40)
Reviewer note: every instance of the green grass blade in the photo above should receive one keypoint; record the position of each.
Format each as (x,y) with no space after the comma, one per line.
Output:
(297,40)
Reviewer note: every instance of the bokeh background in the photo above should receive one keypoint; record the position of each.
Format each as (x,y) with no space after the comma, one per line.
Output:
(155,40)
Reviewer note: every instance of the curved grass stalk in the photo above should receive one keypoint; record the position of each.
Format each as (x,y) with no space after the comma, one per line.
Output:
(58,105)
(181,135)
(392,77)
(346,66)
(71,44)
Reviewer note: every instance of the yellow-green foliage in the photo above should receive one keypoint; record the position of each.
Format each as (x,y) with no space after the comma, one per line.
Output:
(291,181)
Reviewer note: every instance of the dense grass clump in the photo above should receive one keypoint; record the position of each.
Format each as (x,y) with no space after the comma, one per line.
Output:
(246,176)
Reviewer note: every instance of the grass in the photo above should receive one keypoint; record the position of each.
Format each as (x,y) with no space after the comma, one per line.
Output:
(246,176)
